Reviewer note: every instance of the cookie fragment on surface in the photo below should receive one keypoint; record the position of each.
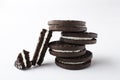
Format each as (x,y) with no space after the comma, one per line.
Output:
(23,61)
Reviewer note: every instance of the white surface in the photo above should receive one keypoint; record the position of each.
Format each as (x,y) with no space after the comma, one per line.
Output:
(22,20)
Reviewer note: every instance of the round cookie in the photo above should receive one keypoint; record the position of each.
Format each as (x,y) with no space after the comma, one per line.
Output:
(61,49)
(75,63)
(78,37)
(67,25)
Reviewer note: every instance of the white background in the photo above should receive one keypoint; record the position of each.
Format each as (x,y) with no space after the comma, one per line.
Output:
(22,20)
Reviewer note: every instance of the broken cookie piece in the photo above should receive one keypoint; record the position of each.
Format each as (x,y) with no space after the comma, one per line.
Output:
(23,61)
(41,47)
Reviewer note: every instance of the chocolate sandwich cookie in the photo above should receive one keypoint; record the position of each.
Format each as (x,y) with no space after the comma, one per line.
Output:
(76,62)
(23,62)
(78,37)
(67,25)
(42,46)
(61,49)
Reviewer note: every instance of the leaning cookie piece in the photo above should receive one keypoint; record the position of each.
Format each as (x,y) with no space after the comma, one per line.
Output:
(67,25)
(41,47)
(23,61)
(79,38)
(75,63)
(61,49)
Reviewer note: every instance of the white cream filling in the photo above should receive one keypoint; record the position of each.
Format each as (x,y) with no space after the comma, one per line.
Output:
(24,60)
(72,62)
(43,43)
(76,38)
(65,51)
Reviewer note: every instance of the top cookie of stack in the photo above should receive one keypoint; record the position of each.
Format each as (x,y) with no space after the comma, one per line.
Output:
(67,25)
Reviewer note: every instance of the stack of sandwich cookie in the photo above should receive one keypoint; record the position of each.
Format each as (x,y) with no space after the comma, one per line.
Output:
(70,50)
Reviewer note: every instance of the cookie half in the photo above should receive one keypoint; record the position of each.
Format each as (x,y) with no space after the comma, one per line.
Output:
(67,25)
(75,63)
(41,47)
(23,62)
(61,49)
(78,37)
